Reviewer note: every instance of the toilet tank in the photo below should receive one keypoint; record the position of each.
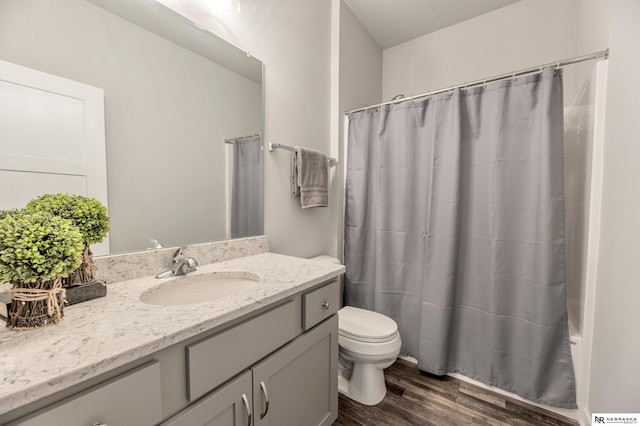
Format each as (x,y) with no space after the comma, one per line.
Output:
(328,259)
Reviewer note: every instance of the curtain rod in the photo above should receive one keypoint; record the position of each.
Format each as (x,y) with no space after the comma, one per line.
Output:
(604,54)
(274,146)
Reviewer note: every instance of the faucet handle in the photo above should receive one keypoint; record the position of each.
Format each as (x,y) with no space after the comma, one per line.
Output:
(179,254)
(155,244)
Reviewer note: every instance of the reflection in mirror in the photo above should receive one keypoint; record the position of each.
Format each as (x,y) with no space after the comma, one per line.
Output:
(173,94)
(247,198)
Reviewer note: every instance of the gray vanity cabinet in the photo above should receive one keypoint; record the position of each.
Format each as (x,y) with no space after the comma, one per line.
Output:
(294,386)
(276,367)
(297,384)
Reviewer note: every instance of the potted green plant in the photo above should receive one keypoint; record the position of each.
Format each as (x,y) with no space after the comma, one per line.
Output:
(37,249)
(89,216)
(5,213)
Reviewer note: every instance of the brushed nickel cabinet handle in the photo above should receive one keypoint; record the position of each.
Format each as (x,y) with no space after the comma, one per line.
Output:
(247,409)
(266,400)
(326,305)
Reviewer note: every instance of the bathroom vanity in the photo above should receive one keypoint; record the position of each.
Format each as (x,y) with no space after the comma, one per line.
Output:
(264,356)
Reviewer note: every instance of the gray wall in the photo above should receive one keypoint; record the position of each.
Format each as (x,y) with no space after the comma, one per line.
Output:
(523,34)
(360,63)
(359,84)
(167,111)
(615,361)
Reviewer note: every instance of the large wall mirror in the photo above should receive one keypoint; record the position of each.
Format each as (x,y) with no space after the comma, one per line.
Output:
(183,114)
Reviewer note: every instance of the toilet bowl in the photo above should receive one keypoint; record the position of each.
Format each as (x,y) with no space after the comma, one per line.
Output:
(368,343)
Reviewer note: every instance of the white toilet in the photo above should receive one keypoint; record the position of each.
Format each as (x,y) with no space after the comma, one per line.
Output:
(368,343)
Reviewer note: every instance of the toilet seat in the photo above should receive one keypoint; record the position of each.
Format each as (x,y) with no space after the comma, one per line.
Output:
(365,326)
(363,339)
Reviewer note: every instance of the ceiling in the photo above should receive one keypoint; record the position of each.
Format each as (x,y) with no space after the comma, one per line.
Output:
(391,22)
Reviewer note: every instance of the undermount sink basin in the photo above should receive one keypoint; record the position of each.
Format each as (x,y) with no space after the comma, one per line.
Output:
(189,289)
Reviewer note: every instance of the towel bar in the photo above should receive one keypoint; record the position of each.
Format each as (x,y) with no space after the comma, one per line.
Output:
(274,146)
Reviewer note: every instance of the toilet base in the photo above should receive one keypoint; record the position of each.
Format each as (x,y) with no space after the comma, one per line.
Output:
(365,386)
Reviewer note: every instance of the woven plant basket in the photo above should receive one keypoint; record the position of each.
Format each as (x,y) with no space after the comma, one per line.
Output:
(85,274)
(84,292)
(82,284)
(36,305)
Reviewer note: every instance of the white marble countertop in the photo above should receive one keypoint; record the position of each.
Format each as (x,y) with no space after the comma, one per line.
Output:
(102,334)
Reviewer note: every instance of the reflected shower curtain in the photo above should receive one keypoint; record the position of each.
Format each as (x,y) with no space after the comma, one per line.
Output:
(454,228)
(247,199)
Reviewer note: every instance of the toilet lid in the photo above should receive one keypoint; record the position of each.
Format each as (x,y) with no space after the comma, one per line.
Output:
(367,326)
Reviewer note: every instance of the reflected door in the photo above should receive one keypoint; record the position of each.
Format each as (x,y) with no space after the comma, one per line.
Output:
(51,138)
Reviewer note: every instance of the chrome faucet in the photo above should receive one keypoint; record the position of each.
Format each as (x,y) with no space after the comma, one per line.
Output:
(180,265)
(183,265)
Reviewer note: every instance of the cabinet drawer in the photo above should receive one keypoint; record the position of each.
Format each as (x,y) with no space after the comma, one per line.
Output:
(109,403)
(216,359)
(319,304)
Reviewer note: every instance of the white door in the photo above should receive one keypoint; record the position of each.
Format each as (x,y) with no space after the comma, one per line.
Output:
(52,138)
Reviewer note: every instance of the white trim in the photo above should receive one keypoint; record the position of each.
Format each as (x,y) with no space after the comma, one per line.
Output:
(593,236)
(334,128)
(228,185)
(343,164)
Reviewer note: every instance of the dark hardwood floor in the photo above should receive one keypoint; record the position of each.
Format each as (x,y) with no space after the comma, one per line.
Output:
(416,398)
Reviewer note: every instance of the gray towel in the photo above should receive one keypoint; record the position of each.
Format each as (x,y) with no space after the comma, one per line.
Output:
(295,188)
(310,177)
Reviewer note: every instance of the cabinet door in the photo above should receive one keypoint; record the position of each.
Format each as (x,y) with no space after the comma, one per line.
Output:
(297,385)
(230,405)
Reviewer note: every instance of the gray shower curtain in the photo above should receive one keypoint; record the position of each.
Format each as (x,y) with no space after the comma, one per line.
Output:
(247,189)
(454,228)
